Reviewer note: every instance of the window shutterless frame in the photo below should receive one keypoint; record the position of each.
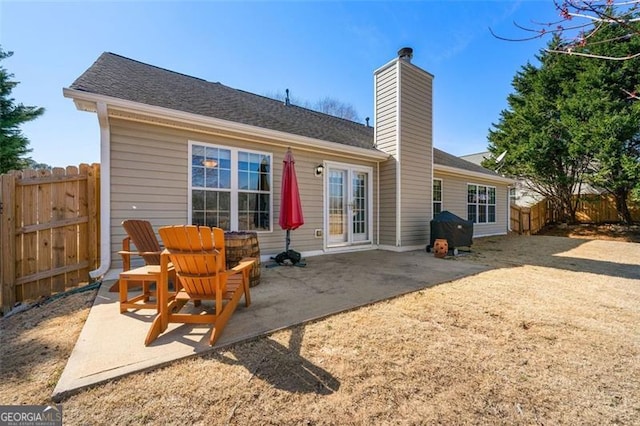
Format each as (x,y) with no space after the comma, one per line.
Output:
(437,196)
(230,188)
(481,203)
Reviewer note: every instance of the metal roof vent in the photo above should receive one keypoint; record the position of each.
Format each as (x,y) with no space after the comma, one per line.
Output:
(406,53)
(287,101)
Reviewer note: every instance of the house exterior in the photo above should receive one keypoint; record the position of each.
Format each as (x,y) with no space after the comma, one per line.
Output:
(521,192)
(177,149)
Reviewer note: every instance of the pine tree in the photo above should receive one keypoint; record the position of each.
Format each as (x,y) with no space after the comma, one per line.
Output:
(13,144)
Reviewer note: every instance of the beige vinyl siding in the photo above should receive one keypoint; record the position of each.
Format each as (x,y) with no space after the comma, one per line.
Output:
(386,113)
(148,177)
(388,210)
(386,110)
(149,180)
(416,154)
(454,193)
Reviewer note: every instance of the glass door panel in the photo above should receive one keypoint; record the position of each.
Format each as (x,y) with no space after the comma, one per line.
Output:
(347,206)
(337,206)
(359,214)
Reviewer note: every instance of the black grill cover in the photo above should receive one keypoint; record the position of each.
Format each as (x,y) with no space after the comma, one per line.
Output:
(457,231)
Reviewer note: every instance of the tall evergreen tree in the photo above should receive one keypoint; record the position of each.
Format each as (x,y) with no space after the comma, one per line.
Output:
(536,133)
(13,144)
(613,86)
(576,119)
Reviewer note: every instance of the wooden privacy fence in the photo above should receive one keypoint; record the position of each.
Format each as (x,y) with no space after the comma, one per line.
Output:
(602,208)
(48,231)
(530,220)
(590,209)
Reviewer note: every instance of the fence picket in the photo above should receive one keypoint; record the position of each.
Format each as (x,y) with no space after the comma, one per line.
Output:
(45,226)
(57,233)
(591,209)
(44,235)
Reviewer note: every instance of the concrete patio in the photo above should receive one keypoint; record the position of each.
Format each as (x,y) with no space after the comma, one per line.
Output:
(111,344)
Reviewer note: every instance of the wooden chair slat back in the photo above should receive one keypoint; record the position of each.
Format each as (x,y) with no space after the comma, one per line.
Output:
(142,236)
(192,251)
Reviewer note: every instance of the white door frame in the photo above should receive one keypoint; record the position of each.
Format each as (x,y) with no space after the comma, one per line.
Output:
(350,169)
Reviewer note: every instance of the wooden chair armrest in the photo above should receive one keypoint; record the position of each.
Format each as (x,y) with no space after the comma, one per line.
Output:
(245,263)
(139,253)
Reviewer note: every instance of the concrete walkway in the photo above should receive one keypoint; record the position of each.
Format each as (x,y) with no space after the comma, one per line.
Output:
(111,344)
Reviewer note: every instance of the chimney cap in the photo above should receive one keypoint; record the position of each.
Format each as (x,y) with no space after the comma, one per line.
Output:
(405,53)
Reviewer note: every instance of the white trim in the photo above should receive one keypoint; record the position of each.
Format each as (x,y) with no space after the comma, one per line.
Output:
(469,173)
(401,249)
(377,240)
(105,192)
(489,235)
(477,204)
(398,161)
(441,195)
(349,168)
(278,138)
(234,189)
(349,249)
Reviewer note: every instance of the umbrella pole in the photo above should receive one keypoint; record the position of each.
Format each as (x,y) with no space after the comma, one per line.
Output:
(288,240)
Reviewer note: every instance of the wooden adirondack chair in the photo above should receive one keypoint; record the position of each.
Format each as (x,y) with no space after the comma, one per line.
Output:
(140,233)
(198,255)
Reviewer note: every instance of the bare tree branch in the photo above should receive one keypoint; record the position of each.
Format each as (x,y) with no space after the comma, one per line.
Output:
(581,20)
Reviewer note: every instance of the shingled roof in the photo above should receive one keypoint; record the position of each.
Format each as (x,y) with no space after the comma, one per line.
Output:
(123,78)
(445,159)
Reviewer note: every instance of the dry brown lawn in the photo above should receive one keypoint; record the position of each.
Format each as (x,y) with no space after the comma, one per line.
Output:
(551,335)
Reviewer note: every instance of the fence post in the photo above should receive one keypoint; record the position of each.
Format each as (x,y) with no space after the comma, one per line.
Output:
(93,200)
(7,242)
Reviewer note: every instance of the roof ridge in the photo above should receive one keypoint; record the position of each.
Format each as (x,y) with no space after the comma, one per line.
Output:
(159,68)
(313,111)
(333,117)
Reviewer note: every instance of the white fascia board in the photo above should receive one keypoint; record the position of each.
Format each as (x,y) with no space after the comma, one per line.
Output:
(478,175)
(187,117)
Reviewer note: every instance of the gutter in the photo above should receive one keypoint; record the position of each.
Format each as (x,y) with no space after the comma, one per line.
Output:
(86,100)
(105,192)
(466,173)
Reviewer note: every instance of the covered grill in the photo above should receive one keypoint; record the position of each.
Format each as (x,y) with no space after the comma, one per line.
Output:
(457,231)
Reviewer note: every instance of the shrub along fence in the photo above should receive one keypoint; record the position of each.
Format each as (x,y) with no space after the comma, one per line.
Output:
(49,239)
(591,209)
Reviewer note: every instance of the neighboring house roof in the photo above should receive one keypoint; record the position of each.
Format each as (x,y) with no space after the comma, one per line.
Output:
(123,78)
(476,158)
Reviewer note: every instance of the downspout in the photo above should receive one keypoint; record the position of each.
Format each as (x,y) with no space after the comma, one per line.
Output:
(105,192)
(508,208)
(378,204)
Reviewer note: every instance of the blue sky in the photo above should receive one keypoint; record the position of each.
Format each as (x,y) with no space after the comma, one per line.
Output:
(315,49)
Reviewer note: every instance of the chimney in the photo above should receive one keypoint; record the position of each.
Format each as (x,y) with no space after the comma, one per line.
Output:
(406,53)
(403,129)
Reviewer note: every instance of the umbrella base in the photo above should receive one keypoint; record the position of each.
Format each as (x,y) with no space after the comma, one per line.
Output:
(287,258)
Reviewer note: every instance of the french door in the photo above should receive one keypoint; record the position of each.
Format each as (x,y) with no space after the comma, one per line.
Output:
(348,204)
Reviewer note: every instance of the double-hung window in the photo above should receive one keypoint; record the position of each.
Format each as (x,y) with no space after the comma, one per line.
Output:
(230,188)
(481,203)
(437,196)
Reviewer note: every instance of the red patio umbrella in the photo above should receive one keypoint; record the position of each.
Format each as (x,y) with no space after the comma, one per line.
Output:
(290,206)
